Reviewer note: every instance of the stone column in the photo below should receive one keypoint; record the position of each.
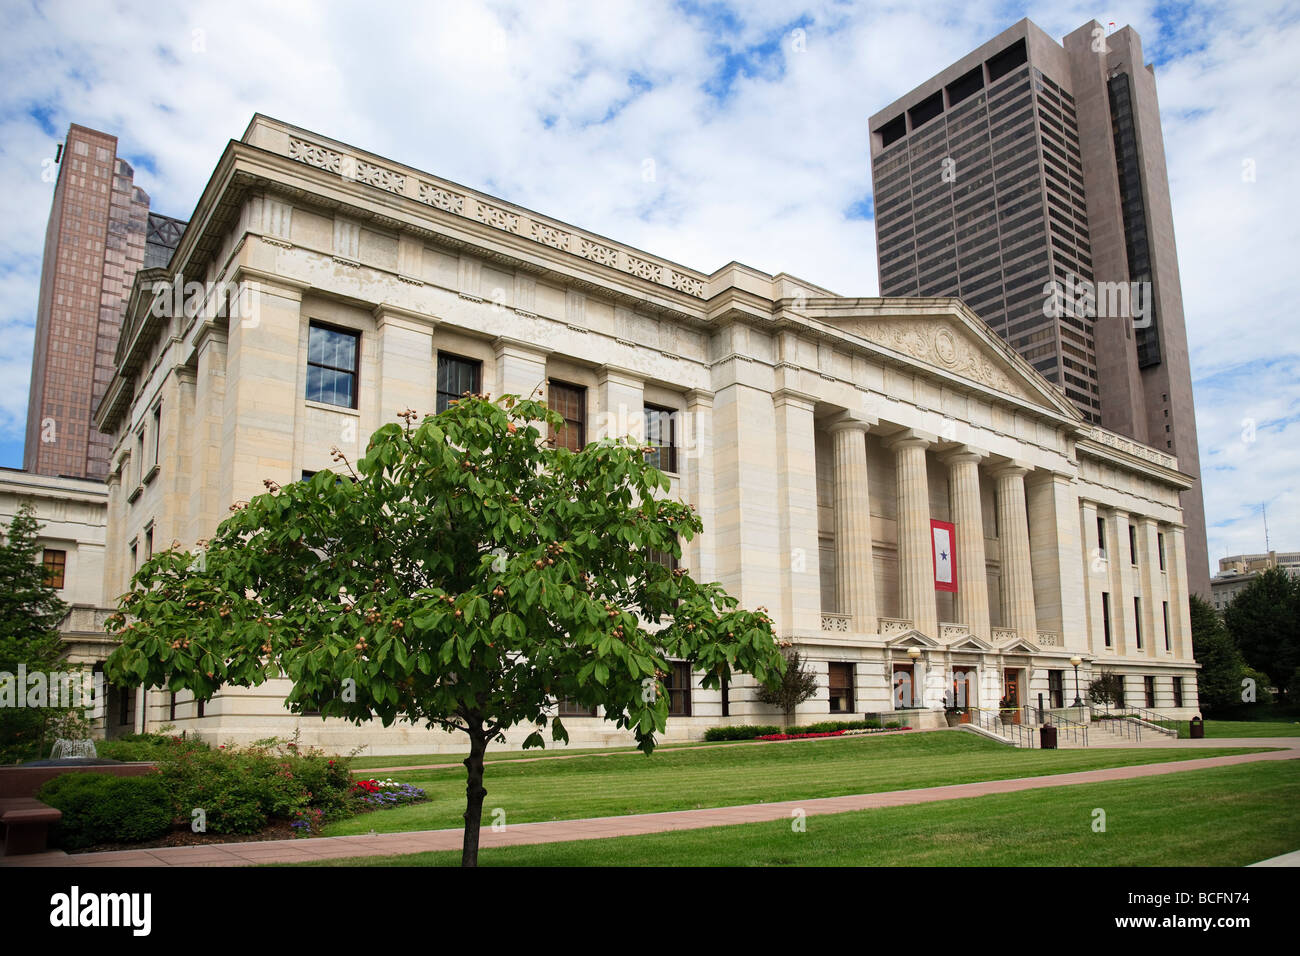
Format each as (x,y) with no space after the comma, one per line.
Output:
(620,404)
(915,558)
(855,578)
(972,598)
(1017,569)
(796,460)
(404,354)
(521,369)
(697,472)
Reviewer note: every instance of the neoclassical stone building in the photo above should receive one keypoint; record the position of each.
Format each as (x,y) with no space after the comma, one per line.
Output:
(918,508)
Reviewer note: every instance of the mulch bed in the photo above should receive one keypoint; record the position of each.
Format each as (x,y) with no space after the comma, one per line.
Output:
(181,835)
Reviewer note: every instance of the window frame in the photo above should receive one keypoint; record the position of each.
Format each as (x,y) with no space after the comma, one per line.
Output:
(1178,691)
(679,697)
(1105,618)
(1137,620)
(656,457)
(355,371)
(579,392)
(451,358)
(1101,536)
(843,691)
(1164,605)
(1133,545)
(61,564)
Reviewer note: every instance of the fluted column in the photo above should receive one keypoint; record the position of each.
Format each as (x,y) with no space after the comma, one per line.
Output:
(971,606)
(854,570)
(1017,570)
(915,546)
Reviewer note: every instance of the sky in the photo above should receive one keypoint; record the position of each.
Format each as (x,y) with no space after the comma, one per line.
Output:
(702,132)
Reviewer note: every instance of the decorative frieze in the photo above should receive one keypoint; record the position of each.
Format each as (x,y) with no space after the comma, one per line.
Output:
(687,284)
(836,623)
(1120,443)
(555,238)
(596,252)
(498,218)
(894,625)
(644,269)
(381,178)
(441,198)
(1049,639)
(314,155)
(1003,635)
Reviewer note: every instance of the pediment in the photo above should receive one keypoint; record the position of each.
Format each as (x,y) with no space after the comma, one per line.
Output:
(955,343)
(911,638)
(1018,646)
(970,644)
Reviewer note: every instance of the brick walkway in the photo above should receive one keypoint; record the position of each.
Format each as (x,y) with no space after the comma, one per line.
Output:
(392,844)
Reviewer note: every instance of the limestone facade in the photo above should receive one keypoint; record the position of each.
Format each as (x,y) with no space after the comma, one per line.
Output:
(817,436)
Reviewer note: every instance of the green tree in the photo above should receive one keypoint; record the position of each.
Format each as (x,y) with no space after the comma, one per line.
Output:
(1264,621)
(1106,688)
(1218,685)
(465,575)
(791,688)
(30,612)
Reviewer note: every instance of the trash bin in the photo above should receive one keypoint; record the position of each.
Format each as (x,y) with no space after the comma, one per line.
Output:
(1197,729)
(1047,737)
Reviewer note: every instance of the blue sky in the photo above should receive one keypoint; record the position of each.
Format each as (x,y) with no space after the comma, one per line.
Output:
(704,132)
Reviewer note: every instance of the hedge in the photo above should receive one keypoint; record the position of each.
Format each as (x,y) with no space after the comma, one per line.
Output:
(101,808)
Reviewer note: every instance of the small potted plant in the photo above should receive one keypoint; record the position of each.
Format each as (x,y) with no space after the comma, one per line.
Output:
(951,712)
(1007,708)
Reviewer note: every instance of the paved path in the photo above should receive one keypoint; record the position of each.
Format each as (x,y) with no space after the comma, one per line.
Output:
(1286,859)
(392,844)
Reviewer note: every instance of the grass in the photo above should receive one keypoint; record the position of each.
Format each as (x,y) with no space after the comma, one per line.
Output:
(687,779)
(418,760)
(1243,728)
(1227,816)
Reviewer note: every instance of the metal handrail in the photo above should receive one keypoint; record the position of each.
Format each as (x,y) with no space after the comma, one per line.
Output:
(1021,735)
(1125,726)
(1067,728)
(1151,717)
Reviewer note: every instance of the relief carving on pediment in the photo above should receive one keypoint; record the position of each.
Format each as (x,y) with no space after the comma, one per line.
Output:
(942,346)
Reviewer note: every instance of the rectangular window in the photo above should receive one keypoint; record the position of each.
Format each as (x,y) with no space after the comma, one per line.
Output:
(1056,688)
(332,365)
(1101,536)
(678,685)
(661,435)
(171,707)
(157,432)
(1178,692)
(569,708)
(1105,615)
(571,402)
(1119,695)
(726,697)
(1132,545)
(135,557)
(1164,607)
(456,376)
(1160,548)
(1149,685)
(840,684)
(148,544)
(1137,621)
(200,706)
(125,698)
(55,564)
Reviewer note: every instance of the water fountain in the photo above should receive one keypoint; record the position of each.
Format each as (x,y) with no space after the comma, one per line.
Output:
(73,749)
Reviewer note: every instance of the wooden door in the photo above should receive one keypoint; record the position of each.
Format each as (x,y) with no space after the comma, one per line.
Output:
(1011,690)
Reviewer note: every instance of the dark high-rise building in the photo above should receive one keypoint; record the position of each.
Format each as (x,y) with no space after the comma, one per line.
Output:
(100,233)
(1029,179)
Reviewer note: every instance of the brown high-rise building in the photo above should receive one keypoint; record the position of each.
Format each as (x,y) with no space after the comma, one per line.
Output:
(1029,179)
(95,242)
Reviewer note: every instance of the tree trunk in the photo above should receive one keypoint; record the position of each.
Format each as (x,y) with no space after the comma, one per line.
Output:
(474,794)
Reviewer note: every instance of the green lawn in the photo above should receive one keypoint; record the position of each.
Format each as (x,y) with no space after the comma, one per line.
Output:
(417,760)
(1228,816)
(686,779)
(1244,728)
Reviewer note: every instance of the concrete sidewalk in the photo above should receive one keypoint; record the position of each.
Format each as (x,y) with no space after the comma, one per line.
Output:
(392,844)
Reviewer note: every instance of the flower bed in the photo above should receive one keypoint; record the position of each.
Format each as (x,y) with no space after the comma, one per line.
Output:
(829,733)
(378,794)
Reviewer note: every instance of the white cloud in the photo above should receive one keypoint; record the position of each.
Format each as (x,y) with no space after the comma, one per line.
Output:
(513,97)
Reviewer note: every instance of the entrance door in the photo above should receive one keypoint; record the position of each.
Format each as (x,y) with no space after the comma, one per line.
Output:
(1011,691)
(963,690)
(902,686)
